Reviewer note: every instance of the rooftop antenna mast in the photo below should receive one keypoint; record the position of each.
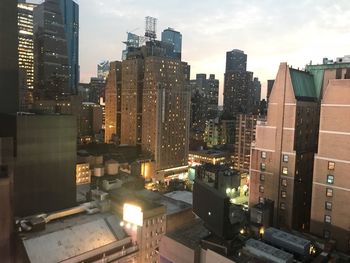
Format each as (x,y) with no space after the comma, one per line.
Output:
(151,27)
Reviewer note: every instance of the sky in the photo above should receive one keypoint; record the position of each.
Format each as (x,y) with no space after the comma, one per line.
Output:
(268,31)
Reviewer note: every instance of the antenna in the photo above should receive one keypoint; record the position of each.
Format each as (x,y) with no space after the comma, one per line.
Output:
(150,30)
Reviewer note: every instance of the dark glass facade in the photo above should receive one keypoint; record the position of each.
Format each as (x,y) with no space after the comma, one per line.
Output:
(45,152)
(173,37)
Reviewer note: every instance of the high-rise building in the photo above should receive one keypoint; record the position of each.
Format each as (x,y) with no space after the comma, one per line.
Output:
(165,113)
(26,53)
(45,152)
(244,136)
(103,69)
(153,104)
(173,37)
(204,102)
(236,60)
(50,51)
(97,89)
(283,153)
(90,120)
(70,14)
(113,103)
(331,185)
(257,94)
(240,92)
(9,102)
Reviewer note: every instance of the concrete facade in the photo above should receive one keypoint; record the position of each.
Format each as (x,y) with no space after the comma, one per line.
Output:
(331,185)
(282,156)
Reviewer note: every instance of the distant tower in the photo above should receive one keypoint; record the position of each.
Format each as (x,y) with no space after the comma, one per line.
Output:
(151,28)
(173,37)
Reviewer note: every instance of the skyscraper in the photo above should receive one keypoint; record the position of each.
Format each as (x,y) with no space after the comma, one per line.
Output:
(103,69)
(113,102)
(236,60)
(9,57)
(51,52)
(70,15)
(26,53)
(283,154)
(173,37)
(239,88)
(56,31)
(165,114)
(204,102)
(153,104)
(257,94)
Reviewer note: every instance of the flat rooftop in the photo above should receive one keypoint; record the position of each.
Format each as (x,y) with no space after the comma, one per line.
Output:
(184,196)
(190,235)
(71,236)
(149,199)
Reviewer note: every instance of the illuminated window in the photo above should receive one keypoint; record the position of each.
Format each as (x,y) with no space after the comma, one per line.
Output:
(262,177)
(263,155)
(285,158)
(284,170)
(283,194)
(261,200)
(330,179)
(263,166)
(331,166)
(327,219)
(261,188)
(329,192)
(283,206)
(328,205)
(284,182)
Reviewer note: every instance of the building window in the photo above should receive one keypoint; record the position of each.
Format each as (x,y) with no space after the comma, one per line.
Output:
(261,200)
(263,166)
(283,206)
(284,182)
(330,179)
(284,170)
(261,188)
(262,177)
(329,192)
(263,155)
(328,205)
(331,166)
(285,158)
(284,194)
(327,219)
(326,234)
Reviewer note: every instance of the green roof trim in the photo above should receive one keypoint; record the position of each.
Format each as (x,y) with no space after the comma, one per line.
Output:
(303,85)
(318,72)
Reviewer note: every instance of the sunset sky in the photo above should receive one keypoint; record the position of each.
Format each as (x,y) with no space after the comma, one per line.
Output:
(269,31)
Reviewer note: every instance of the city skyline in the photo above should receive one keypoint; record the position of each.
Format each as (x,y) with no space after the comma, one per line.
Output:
(269,32)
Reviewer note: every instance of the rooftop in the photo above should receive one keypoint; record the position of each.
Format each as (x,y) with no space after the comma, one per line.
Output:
(190,235)
(303,85)
(71,236)
(184,196)
(148,200)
